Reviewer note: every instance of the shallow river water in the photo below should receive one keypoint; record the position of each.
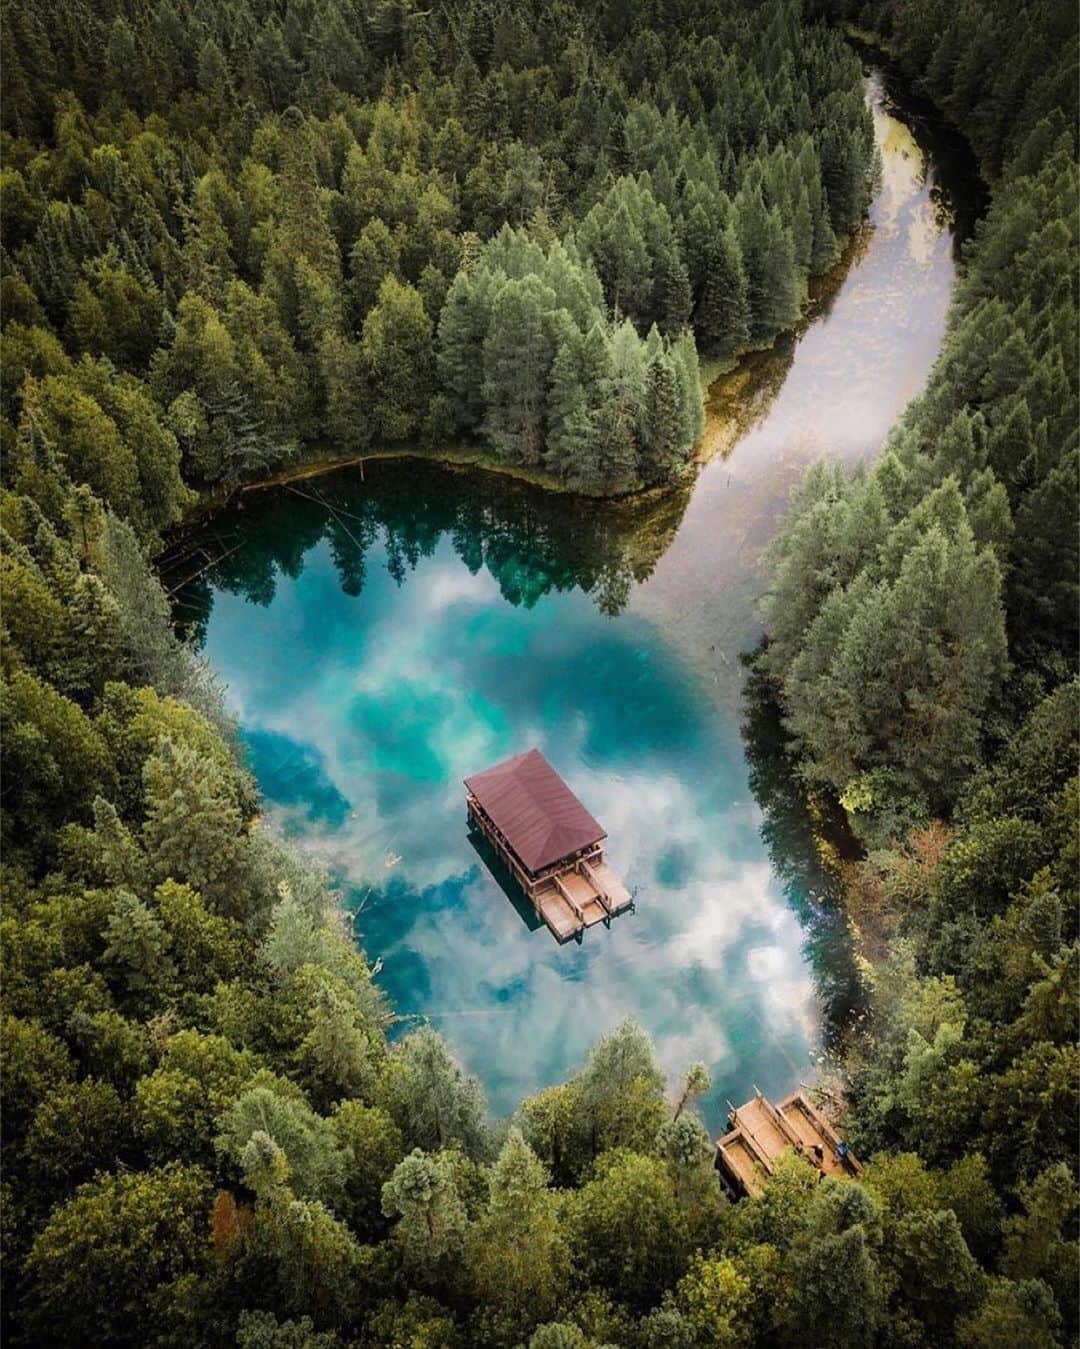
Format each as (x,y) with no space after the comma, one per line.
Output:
(384,636)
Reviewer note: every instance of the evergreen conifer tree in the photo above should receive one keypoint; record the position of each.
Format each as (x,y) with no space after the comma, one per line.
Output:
(721,315)
(518,352)
(768,258)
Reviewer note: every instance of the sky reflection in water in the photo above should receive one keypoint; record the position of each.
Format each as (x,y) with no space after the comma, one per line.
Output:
(363,715)
(363,711)
(834,392)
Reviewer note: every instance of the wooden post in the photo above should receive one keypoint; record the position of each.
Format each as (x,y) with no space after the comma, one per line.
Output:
(569,899)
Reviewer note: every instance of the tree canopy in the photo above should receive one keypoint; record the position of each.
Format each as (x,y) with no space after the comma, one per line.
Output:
(233,231)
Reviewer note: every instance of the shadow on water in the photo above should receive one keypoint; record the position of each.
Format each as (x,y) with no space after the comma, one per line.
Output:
(958,192)
(501,875)
(799,839)
(531,542)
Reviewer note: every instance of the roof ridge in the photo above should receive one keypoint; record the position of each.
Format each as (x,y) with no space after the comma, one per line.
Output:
(535,808)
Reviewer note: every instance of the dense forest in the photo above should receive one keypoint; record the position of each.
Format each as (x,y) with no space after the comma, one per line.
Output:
(230,231)
(923,647)
(370,224)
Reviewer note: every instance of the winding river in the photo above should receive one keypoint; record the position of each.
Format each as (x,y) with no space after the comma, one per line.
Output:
(384,634)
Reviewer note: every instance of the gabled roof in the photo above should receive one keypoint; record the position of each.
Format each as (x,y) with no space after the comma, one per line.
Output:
(536,812)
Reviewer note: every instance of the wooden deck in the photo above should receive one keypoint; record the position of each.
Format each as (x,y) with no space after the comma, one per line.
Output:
(569,896)
(761,1132)
(616,895)
(742,1163)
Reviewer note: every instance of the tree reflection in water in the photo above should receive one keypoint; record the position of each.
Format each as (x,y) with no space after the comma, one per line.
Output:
(532,542)
(803,834)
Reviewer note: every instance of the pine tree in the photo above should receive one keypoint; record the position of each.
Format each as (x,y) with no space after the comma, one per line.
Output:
(579,374)
(374,256)
(692,403)
(431,1225)
(673,298)
(516,1255)
(192,831)
(463,326)
(722,311)
(347,383)
(936,639)
(614,240)
(434,1104)
(137,949)
(121,59)
(302,232)
(397,348)
(212,74)
(518,352)
(291,1141)
(772,283)
(659,452)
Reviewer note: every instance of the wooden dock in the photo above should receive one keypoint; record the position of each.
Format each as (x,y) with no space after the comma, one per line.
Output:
(760,1132)
(549,842)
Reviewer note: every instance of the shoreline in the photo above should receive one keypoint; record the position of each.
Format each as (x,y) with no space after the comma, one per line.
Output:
(722,381)
(737,395)
(728,387)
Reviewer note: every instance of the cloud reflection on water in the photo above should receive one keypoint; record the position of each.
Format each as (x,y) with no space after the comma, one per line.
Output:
(366,699)
(363,722)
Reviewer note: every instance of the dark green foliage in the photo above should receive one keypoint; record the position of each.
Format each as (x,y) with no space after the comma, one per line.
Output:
(721,316)
(76,1130)
(773,289)
(142,1236)
(231,230)
(399,359)
(220,201)
(628,1235)
(836,1292)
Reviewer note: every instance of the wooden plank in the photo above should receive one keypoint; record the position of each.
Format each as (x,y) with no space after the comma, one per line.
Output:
(561,920)
(778,1118)
(590,875)
(764,1131)
(616,895)
(814,1128)
(744,1168)
(584,897)
(570,898)
(755,1120)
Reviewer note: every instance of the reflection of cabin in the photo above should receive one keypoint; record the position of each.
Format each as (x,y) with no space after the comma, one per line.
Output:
(551,844)
(760,1131)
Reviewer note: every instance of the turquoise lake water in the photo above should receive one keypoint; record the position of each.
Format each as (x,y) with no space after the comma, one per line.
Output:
(382,637)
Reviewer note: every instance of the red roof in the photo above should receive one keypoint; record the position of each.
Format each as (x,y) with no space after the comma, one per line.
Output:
(536,812)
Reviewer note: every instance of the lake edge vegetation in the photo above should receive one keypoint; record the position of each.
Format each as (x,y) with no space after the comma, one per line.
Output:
(923,647)
(449,230)
(207,1137)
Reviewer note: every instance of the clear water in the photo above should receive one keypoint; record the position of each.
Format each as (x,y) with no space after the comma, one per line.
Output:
(382,637)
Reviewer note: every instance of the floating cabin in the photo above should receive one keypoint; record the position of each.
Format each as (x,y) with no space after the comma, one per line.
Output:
(551,844)
(760,1131)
